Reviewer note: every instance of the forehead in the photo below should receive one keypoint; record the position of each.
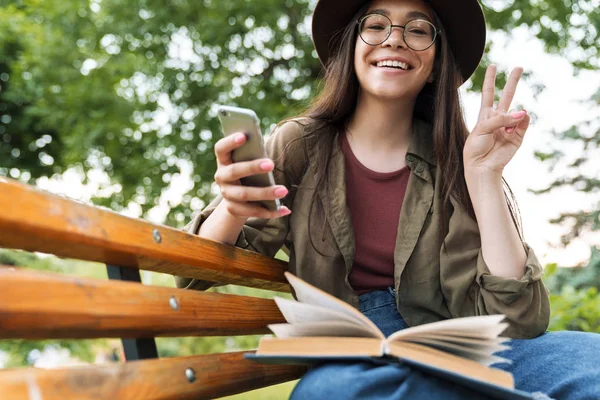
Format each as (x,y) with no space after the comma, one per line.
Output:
(402,8)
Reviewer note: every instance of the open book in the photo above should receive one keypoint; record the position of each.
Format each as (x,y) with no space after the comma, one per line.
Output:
(323,328)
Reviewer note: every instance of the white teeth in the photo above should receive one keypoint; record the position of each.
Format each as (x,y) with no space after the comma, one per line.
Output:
(392,63)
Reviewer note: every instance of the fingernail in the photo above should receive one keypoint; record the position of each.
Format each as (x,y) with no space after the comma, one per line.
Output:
(239,138)
(519,114)
(266,165)
(285,211)
(280,192)
(509,130)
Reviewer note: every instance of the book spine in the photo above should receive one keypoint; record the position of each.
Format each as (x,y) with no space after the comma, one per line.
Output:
(385,348)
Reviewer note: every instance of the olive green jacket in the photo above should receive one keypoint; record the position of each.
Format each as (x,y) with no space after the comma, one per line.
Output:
(433,281)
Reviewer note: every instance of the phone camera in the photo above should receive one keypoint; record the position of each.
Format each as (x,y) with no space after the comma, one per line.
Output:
(224,113)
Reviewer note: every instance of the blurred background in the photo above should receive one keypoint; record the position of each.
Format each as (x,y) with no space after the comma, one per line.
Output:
(112,103)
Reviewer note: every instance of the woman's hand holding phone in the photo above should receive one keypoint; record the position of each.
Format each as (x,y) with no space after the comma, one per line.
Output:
(236,197)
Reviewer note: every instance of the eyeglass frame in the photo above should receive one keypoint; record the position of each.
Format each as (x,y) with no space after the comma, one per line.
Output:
(436,31)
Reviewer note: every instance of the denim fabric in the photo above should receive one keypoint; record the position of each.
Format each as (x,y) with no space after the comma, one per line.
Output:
(562,365)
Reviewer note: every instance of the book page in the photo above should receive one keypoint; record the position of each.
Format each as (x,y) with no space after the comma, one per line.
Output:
(471,342)
(309,294)
(485,326)
(486,334)
(482,356)
(297,313)
(333,328)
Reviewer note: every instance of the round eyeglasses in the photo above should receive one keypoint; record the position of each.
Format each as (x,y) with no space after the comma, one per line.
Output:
(418,34)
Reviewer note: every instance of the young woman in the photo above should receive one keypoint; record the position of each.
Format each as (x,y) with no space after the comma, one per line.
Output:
(392,205)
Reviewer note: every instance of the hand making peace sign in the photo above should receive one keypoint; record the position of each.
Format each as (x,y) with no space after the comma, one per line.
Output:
(498,134)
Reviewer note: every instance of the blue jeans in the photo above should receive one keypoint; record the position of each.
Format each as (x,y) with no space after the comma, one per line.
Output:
(562,365)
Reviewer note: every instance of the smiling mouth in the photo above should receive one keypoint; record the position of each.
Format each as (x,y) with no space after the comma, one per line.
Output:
(392,64)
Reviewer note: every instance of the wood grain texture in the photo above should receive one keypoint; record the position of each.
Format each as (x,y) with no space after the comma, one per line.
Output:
(37,221)
(217,375)
(41,305)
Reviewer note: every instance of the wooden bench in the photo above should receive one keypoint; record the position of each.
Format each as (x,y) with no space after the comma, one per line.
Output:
(36,305)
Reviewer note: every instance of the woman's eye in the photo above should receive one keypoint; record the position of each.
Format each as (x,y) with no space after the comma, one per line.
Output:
(375,27)
(417,32)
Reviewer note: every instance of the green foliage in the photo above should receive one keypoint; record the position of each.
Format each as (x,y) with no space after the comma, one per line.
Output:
(276,392)
(21,352)
(574,300)
(52,264)
(566,27)
(577,310)
(556,279)
(131,91)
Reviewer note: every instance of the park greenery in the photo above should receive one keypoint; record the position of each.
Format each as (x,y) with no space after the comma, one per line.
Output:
(123,94)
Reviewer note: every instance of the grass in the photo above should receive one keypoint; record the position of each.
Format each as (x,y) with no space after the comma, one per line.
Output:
(275,392)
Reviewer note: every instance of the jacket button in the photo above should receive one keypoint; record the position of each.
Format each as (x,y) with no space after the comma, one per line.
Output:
(420,168)
(410,159)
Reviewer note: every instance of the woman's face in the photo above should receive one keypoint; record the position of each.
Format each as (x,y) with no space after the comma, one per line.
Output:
(411,70)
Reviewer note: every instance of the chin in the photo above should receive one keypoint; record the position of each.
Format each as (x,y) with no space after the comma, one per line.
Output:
(390,92)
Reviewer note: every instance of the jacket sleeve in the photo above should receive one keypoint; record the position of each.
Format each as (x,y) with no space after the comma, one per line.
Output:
(266,236)
(471,289)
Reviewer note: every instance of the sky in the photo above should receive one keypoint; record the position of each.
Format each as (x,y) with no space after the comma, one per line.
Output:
(561,105)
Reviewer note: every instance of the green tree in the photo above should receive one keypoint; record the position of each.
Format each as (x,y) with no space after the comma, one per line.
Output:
(131,91)
(583,277)
(568,28)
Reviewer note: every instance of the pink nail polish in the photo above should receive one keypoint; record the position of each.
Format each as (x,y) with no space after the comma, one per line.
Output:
(280,192)
(266,165)
(519,114)
(239,138)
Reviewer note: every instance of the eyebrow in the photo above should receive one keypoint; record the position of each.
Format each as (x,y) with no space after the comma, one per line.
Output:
(410,14)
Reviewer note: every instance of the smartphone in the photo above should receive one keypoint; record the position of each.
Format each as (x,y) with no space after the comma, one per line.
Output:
(235,120)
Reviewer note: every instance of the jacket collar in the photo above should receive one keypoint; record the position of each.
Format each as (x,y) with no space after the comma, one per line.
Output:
(421,144)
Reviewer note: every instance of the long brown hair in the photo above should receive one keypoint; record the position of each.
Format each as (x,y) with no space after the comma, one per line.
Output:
(438,103)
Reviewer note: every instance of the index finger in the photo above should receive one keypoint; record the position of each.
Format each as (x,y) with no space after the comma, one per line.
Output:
(508,93)
(226,145)
(489,87)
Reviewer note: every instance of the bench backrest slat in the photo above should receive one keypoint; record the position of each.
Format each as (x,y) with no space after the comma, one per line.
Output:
(37,221)
(37,305)
(215,375)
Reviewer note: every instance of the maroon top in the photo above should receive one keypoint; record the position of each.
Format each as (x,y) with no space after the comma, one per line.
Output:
(374,200)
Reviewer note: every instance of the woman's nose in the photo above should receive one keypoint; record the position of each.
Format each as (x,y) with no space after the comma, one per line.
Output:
(396,38)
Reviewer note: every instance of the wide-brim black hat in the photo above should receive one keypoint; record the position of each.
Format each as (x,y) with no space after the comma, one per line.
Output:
(463,25)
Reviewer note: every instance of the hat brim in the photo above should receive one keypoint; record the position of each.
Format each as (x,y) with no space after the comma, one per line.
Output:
(463,26)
